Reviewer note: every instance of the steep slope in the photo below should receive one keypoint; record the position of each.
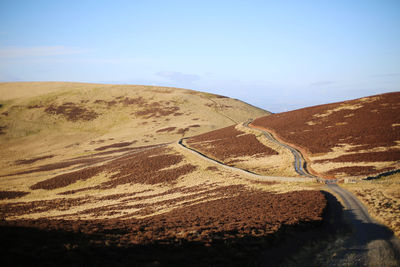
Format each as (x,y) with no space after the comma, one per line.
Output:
(46,123)
(354,138)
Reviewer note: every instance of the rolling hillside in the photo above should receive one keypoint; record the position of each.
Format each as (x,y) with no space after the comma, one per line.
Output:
(97,168)
(94,175)
(46,123)
(356,138)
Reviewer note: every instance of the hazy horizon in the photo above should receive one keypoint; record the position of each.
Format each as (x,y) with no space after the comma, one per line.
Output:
(275,55)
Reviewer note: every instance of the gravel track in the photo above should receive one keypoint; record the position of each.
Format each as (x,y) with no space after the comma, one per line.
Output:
(299,162)
(242,171)
(371,243)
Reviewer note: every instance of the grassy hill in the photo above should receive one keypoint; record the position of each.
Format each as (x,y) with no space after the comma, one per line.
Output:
(49,122)
(95,171)
(352,139)
(356,138)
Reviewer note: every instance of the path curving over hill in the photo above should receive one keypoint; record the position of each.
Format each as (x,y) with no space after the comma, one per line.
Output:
(299,161)
(371,243)
(242,171)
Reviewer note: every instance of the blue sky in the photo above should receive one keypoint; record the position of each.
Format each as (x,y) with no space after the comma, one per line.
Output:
(278,55)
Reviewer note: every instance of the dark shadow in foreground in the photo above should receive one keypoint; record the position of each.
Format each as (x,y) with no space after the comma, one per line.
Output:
(22,245)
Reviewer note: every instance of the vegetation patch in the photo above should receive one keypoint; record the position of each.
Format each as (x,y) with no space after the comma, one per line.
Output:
(357,170)
(148,167)
(21,208)
(212,168)
(12,194)
(125,101)
(67,178)
(388,155)
(382,198)
(154,111)
(72,112)
(233,230)
(229,143)
(376,126)
(62,165)
(168,129)
(30,161)
(122,144)
(2,128)
(363,124)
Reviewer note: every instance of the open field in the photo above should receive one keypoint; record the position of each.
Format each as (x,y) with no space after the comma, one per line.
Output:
(354,138)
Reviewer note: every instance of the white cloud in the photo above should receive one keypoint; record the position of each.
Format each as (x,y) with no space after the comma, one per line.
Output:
(38,51)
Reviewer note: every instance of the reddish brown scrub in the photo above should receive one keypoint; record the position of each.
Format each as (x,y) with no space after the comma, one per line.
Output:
(364,123)
(2,128)
(369,126)
(357,170)
(156,111)
(228,143)
(72,112)
(168,129)
(29,161)
(122,144)
(142,167)
(212,168)
(388,155)
(12,194)
(240,213)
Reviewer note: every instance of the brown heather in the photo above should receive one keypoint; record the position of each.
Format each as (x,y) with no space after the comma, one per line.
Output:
(229,143)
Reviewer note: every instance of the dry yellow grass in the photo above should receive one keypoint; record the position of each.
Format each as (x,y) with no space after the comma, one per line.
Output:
(344,149)
(197,186)
(382,198)
(32,132)
(276,165)
(341,107)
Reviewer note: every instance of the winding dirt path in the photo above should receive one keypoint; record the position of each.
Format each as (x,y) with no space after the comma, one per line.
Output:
(241,171)
(371,243)
(299,161)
